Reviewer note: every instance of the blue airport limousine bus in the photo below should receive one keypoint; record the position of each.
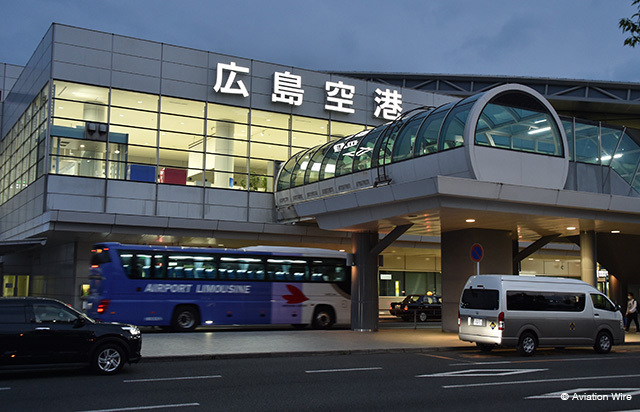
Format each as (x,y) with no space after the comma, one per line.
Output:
(180,288)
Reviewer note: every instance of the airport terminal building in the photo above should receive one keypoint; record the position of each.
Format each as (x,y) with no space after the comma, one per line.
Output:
(112,138)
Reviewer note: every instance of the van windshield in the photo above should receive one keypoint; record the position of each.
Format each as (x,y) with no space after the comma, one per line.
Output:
(485,299)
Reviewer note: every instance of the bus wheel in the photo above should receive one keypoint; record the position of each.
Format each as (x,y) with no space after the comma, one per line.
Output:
(603,343)
(323,317)
(185,318)
(527,344)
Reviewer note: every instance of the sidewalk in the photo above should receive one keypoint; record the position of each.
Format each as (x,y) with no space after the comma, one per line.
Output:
(228,343)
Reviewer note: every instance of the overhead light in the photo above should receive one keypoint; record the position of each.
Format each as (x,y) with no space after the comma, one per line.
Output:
(470,220)
(541,130)
(615,231)
(571,228)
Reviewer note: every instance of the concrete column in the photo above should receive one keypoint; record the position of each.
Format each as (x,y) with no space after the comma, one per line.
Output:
(616,291)
(588,258)
(457,265)
(364,283)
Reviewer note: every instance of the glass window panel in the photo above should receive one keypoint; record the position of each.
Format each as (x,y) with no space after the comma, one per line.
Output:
(315,162)
(384,145)
(265,169)
(184,107)
(264,134)
(587,147)
(609,140)
(568,130)
(132,135)
(134,100)
(626,158)
(310,125)
(128,117)
(269,119)
(284,178)
(225,163)
(340,129)
(518,129)
(306,140)
(174,158)
(181,141)
(328,167)
(78,148)
(427,138)
(81,92)
(226,129)
(228,113)
(141,155)
(344,164)
(452,134)
(403,147)
(77,167)
(298,172)
(269,151)
(181,124)
(227,146)
(362,157)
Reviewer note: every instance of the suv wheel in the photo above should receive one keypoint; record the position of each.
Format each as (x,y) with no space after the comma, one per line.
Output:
(422,317)
(108,359)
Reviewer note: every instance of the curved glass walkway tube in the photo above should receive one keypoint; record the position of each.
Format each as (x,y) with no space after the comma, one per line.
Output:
(512,121)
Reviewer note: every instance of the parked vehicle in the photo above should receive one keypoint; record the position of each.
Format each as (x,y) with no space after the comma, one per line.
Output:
(41,331)
(419,307)
(530,312)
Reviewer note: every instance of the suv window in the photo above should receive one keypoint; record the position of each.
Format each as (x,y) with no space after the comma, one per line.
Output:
(48,312)
(12,313)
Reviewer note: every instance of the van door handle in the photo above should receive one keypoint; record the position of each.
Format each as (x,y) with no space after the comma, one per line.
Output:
(43,328)
(596,315)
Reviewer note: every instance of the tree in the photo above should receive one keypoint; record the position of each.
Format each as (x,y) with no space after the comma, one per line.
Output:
(631,26)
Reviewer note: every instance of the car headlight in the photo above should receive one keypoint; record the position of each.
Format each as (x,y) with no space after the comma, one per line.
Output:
(133,330)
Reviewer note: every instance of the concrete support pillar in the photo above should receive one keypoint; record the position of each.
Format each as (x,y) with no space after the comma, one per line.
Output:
(364,283)
(616,291)
(588,259)
(457,265)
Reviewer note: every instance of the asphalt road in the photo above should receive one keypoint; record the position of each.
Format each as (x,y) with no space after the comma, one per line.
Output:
(464,380)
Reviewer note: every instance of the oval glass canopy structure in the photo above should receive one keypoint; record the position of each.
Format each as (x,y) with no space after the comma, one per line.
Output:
(510,118)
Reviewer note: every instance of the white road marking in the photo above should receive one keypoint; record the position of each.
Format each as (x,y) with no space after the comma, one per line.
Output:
(343,370)
(574,378)
(180,378)
(537,360)
(481,372)
(141,408)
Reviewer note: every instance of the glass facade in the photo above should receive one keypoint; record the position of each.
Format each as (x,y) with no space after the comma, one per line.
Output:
(22,151)
(117,134)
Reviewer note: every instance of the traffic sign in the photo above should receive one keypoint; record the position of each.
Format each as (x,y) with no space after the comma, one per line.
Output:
(477,252)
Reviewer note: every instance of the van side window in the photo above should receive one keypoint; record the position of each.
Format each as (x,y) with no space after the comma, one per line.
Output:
(484,299)
(602,302)
(545,301)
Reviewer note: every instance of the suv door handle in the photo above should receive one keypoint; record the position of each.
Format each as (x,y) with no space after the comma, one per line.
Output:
(43,328)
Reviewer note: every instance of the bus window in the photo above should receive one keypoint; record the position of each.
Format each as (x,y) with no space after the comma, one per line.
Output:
(239,268)
(189,266)
(328,270)
(136,265)
(288,269)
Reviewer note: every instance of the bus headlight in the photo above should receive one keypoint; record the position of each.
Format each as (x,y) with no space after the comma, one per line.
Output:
(133,330)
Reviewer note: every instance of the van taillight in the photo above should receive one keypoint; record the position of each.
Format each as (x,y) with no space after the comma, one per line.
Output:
(458,317)
(501,321)
(103,305)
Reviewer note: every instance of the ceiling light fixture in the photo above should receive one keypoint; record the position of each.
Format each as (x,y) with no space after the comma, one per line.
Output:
(470,220)
(571,228)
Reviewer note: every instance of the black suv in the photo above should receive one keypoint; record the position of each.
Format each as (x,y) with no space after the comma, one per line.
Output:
(41,331)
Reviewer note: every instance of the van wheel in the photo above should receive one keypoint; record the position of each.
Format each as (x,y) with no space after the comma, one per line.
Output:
(527,344)
(603,342)
(484,347)
(185,319)
(108,359)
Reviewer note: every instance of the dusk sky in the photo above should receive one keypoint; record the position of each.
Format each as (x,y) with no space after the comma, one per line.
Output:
(577,39)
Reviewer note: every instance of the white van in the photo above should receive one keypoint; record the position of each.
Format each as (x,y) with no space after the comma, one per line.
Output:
(526,312)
